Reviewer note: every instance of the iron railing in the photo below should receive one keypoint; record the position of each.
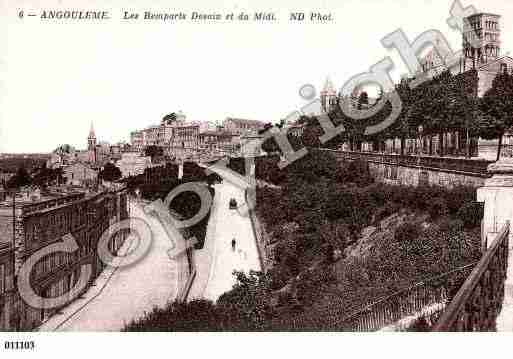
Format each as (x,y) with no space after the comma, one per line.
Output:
(479,300)
(423,298)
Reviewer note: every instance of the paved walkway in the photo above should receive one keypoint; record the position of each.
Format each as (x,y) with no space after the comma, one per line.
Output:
(230,224)
(217,260)
(122,295)
(203,258)
(119,296)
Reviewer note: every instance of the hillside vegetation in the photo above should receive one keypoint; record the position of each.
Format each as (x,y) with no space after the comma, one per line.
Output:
(339,241)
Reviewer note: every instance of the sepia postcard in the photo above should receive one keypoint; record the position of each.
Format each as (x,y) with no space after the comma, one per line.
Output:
(244,168)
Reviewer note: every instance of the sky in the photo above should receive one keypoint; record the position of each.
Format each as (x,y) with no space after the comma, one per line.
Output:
(57,77)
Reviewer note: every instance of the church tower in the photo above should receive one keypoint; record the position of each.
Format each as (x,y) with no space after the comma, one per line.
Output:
(328,96)
(481,40)
(91,144)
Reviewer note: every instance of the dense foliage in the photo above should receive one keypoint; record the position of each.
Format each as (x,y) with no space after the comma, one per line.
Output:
(21,179)
(318,206)
(446,103)
(311,217)
(157,182)
(13,163)
(497,109)
(110,172)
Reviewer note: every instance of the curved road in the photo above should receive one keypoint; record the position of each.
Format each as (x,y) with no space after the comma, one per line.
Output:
(230,224)
(121,295)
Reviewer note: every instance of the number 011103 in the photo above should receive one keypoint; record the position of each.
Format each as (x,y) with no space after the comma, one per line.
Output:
(19,345)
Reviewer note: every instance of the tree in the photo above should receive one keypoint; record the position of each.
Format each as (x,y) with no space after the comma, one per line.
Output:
(110,173)
(269,145)
(313,166)
(497,109)
(192,316)
(356,128)
(311,133)
(249,300)
(20,179)
(167,119)
(192,172)
(213,178)
(45,176)
(64,149)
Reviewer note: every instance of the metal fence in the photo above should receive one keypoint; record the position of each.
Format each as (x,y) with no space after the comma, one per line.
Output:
(479,300)
(423,298)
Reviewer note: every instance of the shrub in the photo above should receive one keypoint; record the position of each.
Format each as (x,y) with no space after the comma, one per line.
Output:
(471,214)
(336,234)
(451,225)
(378,193)
(236,164)
(458,195)
(340,205)
(387,210)
(313,166)
(437,207)
(355,172)
(278,276)
(406,232)
(421,197)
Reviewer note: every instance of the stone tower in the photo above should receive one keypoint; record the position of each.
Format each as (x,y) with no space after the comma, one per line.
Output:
(481,39)
(328,96)
(91,144)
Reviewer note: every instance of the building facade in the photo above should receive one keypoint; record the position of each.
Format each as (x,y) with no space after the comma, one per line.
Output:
(151,135)
(481,52)
(133,164)
(328,96)
(238,126)
(33,225)
(182,140)
(185,142)
(217,143)
(481,41)
(137,140)
(80,174)
(7,290)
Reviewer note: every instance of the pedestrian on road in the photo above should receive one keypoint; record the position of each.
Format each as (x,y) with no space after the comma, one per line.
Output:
(233,244)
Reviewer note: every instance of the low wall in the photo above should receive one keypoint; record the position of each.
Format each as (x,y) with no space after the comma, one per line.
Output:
(415,176)
(415,170)
(260,237)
